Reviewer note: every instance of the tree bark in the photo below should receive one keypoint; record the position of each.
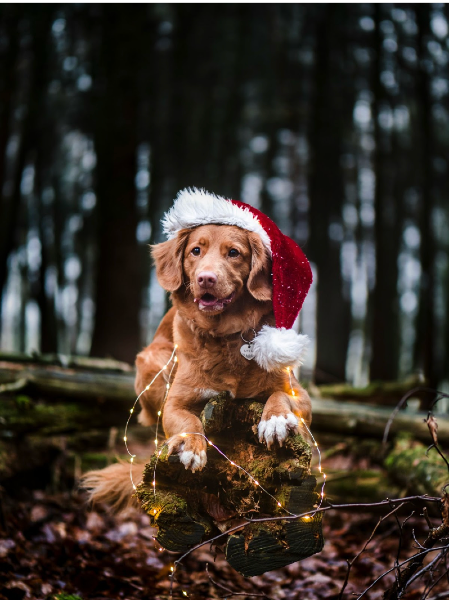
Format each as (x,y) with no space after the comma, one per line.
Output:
(385,332)
(190,507)
(326,201)
(119,269)
(425,331)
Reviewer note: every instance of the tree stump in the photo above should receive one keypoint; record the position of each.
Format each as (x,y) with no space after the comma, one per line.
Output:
(189,508)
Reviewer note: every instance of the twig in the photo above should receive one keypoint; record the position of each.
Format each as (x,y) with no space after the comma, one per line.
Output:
(421,571)
(404,562)
(241,526)
(442,594)
(230,592)
(404,399)
(439,452)
(351,562)
(426,516)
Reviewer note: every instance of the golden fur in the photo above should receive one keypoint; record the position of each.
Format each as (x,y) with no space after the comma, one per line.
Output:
(209,339)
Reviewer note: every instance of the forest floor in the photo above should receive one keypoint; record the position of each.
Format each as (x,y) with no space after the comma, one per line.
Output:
(55,546)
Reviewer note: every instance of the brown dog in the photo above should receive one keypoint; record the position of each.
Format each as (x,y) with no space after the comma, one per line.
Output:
(237,284)
(219,276)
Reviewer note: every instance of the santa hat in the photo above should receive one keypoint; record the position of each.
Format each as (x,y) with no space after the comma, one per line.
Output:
(274,347)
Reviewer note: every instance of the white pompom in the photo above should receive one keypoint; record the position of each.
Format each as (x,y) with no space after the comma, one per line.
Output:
(279,348)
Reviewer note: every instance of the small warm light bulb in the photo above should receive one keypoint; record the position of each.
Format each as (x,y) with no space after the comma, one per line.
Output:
(183,434)
(124,438)
(210,442)
(302,420)
(176,345)
(155,442)
(279,504)
(168,386)
(184,593)
(256,482)
(307,517)
(154,483)
(176,359)
(131,410)
(172,569)
(132,459)
(232,463)
(148,386)
(159,453)
(164,367)
(134,487)
(154,511)
(319,468)
(293,392)
(159,413)
(324,475)
(316,444)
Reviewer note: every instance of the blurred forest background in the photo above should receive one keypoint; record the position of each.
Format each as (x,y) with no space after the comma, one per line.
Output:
(332,119)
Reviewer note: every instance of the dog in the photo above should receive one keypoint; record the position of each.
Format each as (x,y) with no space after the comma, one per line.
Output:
(220,277)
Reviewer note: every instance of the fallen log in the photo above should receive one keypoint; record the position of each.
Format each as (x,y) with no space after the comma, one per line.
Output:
(386,393)
(94,379)
(189,508)
(370,421)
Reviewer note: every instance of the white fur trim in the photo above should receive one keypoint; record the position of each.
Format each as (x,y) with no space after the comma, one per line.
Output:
(277,428)
(194,207)
(279,348)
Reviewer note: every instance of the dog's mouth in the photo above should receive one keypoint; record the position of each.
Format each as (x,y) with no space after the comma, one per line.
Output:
(209,302)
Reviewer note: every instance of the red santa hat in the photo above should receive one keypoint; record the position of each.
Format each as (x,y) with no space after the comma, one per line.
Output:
(273,347)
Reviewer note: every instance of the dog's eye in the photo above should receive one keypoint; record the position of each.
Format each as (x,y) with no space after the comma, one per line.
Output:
(196,251)
(233,253)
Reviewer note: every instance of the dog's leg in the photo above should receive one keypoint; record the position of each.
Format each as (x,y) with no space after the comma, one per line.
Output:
(282,415)
(181,426)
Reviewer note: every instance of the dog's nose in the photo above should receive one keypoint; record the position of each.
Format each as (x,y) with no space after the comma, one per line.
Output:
(206,279)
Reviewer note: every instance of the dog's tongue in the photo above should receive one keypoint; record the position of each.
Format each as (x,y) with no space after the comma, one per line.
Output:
(209,300)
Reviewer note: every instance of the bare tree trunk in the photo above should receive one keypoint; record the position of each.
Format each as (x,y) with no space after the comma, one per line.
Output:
(8,208)
(119,270)
(326,200)
(385,308)
(425,335)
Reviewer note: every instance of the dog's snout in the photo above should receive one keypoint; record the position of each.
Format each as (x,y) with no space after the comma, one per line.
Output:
(206,279)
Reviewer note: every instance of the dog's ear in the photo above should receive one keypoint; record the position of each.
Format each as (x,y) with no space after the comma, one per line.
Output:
(168,257)
(259,280)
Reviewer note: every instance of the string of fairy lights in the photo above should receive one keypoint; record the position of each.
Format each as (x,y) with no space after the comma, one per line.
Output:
(173,361)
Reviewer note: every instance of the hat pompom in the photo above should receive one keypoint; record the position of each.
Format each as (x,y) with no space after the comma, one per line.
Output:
(277,348)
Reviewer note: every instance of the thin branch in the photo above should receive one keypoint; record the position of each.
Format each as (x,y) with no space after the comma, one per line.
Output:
(440,453)
(404,399)
(423,570)
(407,560)
(351,562)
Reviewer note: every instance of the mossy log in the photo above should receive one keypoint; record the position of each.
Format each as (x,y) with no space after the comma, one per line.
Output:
(190,507)
(89,379)
(368,421)
(416,470)
(386,393)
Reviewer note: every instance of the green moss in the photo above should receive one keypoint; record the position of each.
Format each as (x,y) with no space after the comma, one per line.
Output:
(25,416)
(409,465)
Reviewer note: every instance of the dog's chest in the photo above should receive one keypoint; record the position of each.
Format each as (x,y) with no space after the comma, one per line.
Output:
(224,368)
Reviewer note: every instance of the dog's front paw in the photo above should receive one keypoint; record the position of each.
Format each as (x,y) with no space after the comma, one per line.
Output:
(277,428)
(191,450)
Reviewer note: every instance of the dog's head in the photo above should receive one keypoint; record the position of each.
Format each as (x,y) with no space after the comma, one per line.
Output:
(214,266)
